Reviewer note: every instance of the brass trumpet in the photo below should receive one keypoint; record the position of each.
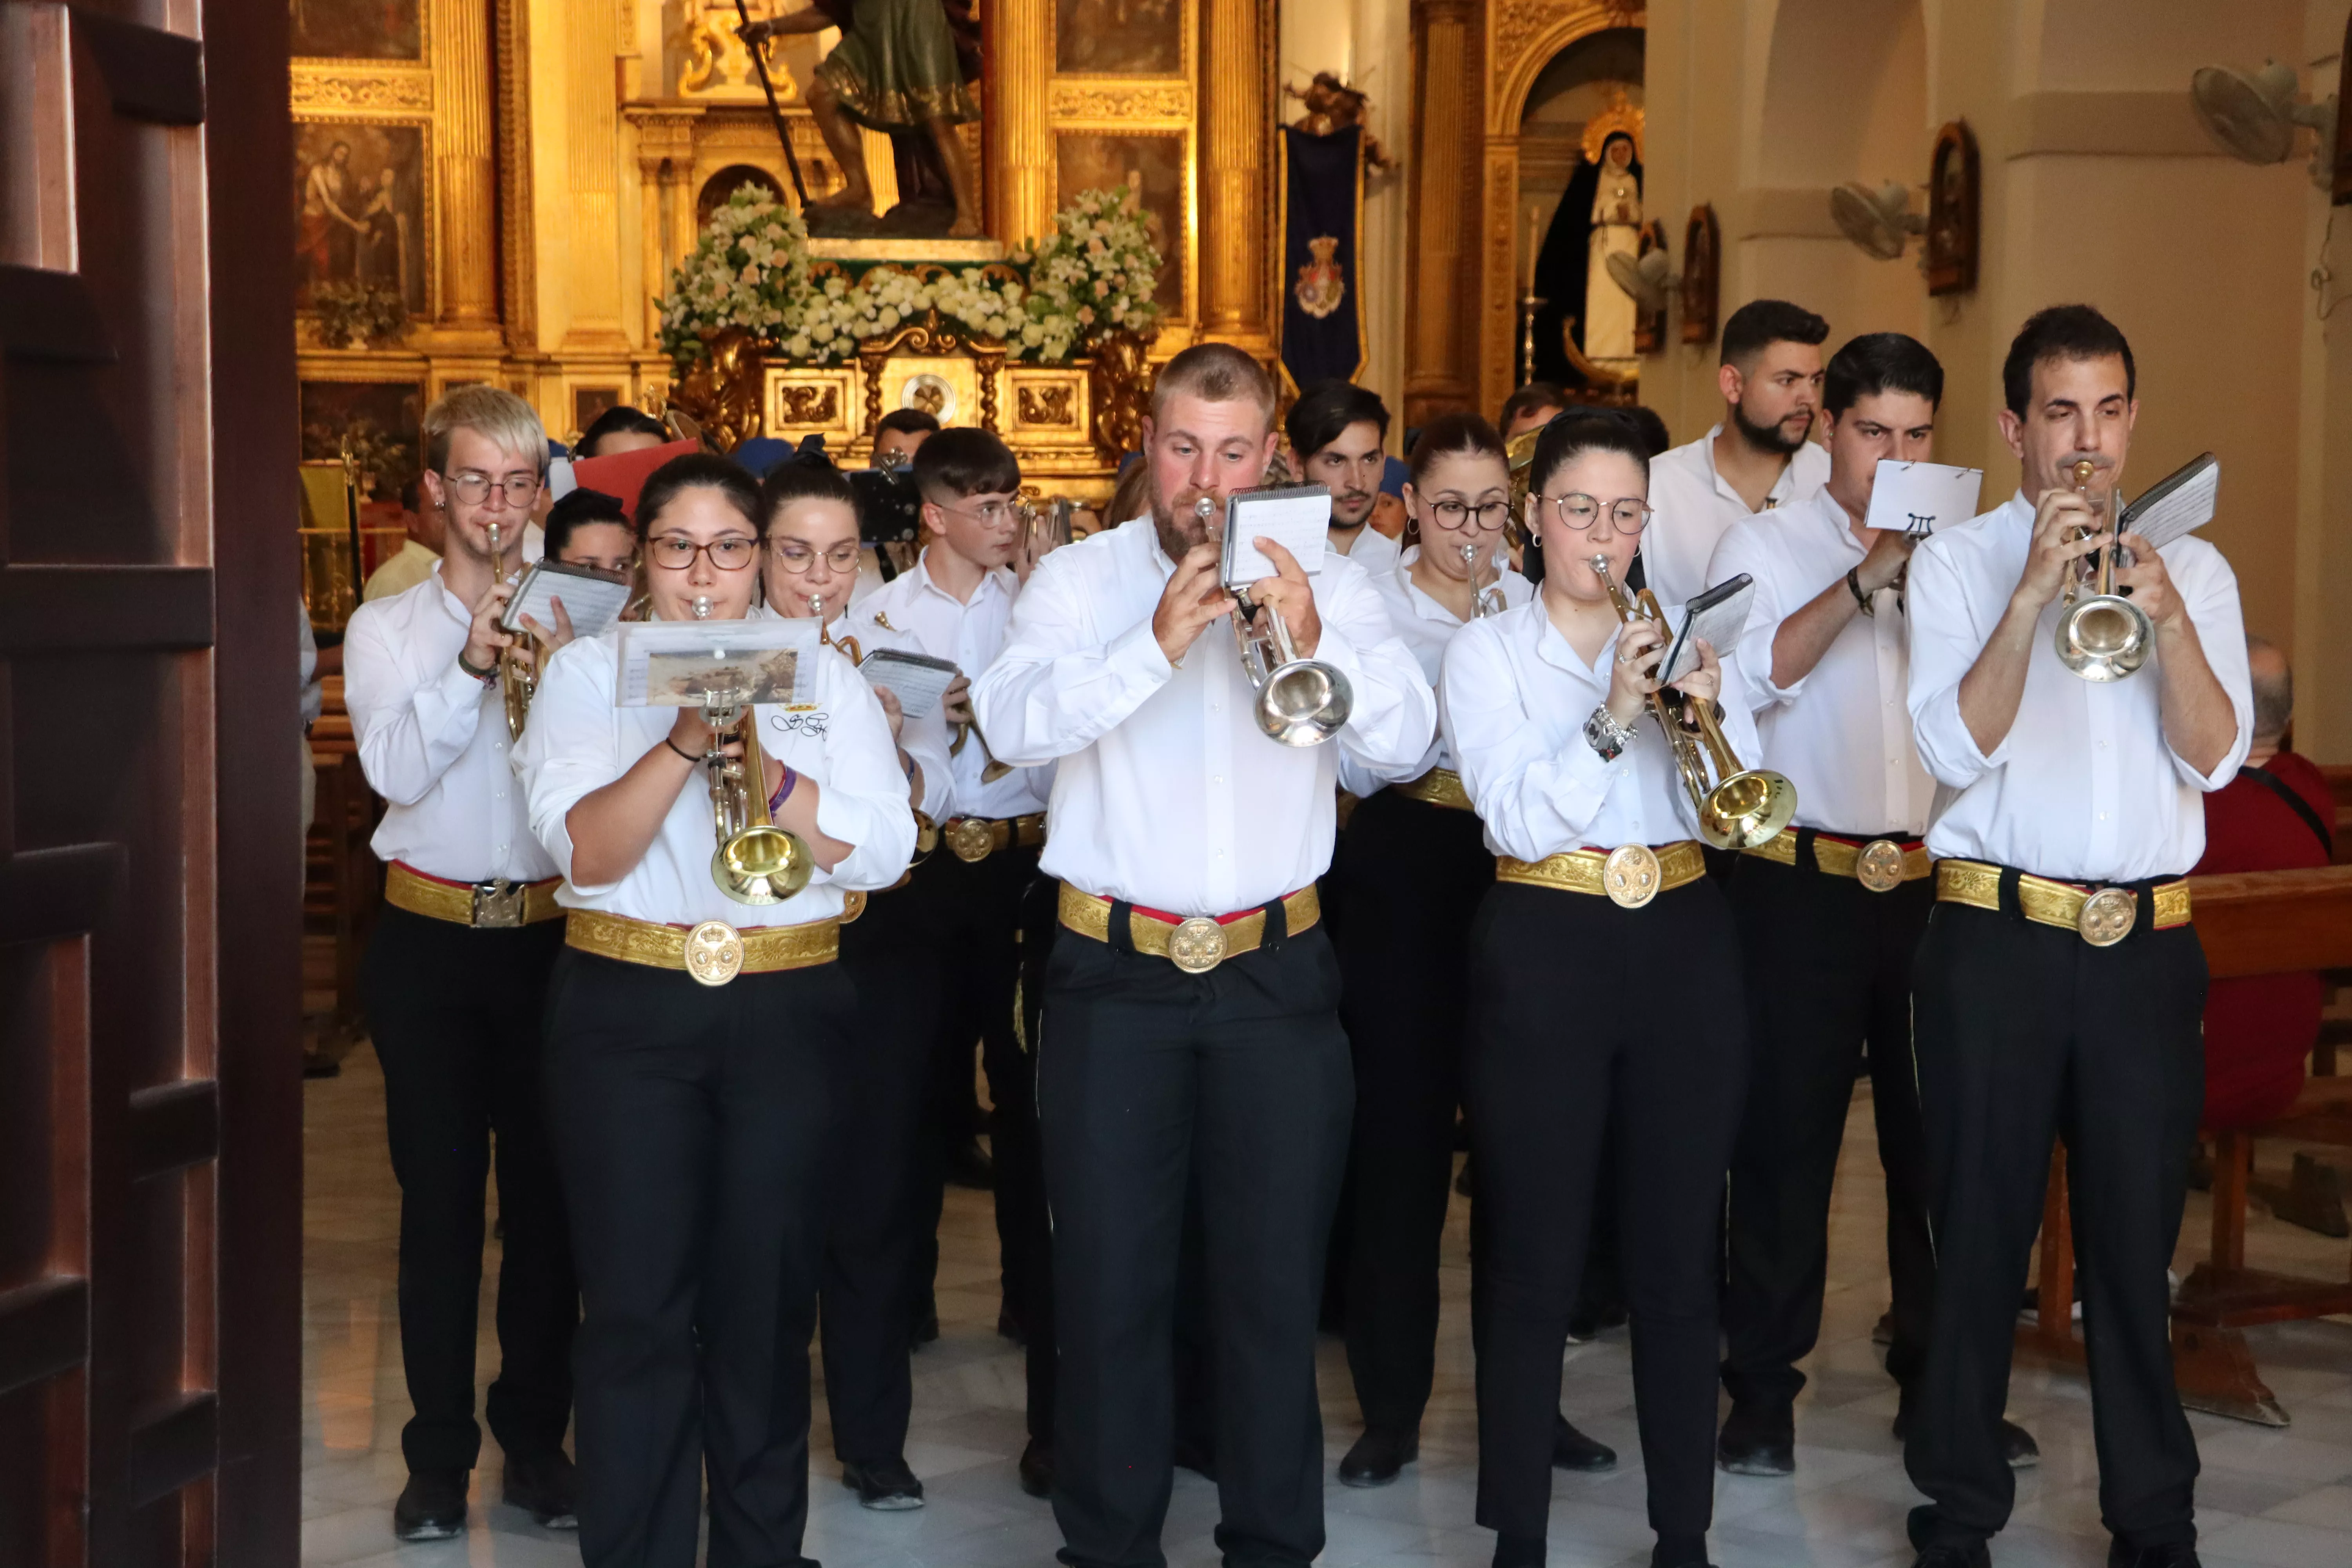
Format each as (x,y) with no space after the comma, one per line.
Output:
(517,676)
(1300,702)
(756,862)
(1487,601)
(1751,805)
(2102,636)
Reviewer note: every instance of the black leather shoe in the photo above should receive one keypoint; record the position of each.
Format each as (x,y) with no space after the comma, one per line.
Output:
(546,1487)
(1572,1450)
(1758,1440)
(970,1166)
(2018,1447)
(1975,1554)
(1378,1456)
(1038,1468)
(885,1485)
(2173,1555)
(432,1506)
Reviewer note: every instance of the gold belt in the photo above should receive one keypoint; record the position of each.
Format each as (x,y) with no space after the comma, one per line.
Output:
(1882,865)
(853,902)
(975,839)
(495,905)
(2100,915)
(1438,786)
(714,952)
(1195,945)
(1628,876)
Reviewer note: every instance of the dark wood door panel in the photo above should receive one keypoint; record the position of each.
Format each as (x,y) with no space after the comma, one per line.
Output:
(150,1103)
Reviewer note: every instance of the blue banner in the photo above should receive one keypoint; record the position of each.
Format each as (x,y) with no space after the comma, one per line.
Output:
(1322,205)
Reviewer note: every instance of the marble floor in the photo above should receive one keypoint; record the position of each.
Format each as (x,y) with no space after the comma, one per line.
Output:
(2282,1499)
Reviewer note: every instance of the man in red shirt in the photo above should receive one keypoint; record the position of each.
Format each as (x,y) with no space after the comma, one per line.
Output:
(2276,815)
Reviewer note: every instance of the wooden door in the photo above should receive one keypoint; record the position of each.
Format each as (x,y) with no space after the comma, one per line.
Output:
(149,1094)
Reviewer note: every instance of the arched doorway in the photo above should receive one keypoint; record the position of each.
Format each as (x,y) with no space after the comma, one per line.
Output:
(1582,130)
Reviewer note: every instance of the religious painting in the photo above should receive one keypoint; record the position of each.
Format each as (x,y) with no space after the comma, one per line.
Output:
(1088,161)
(589,404)
(357,29)
(1118,37)
(379,418)
(1702,262)
(360,214)
(1952,186)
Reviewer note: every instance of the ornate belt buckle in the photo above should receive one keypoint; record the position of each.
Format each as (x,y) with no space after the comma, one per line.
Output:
(1879,866)
(853,904)
(2107,916)
(1198,945)
(714,952)
(971,838)
(497,904)
(1629,875)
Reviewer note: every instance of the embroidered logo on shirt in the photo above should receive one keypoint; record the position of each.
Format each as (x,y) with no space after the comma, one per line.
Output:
(813,722)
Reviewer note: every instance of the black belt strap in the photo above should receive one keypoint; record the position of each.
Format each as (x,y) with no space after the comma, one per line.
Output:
(2295,803)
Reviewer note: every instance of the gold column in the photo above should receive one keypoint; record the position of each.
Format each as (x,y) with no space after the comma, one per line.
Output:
(592,122)
(1433,378)
(1236,114)
(467,174)
(665,158)
(1020,57)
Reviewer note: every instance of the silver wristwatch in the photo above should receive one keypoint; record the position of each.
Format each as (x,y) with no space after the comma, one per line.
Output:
(1605,735)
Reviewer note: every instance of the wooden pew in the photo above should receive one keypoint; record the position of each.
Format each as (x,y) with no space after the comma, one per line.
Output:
(2255,922)
(342,883)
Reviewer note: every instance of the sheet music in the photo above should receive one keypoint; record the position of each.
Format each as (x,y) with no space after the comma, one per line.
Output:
(1297,516)
(918,680)
(683,664)
(2177,504)
(1920,498)
(1720,620)
(591,599)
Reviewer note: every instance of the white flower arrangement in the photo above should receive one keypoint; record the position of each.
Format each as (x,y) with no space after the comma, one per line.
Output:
(1094,274)
(751,269)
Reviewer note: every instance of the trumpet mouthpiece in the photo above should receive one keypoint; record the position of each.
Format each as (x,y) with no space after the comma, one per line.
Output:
(816,605)
(1600,565)
(702,606)
(1205,507)
(2085,470)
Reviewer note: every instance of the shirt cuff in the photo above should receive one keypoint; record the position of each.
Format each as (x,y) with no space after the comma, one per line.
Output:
(1950,748)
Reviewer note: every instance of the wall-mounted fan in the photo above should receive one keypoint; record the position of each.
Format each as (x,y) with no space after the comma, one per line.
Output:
(1646,279)
(1880,222)
(2252,116)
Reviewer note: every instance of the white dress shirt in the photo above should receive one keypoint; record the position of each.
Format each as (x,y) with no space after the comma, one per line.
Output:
(1426,628)
(925,739)
(1513,704)
(1169,795)
(1841,732)
(578,740)
(970,635)
(1374,550)
(432,742)
(1694,504)
(2083,787)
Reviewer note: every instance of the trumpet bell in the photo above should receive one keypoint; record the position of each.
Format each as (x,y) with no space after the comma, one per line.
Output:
(1304,703)
(2104,637)
(1747,809)
(763,864)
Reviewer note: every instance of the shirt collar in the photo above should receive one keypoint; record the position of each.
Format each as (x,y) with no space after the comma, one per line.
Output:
(1553,649)
(1780,488)
(1424,606)
(988,581)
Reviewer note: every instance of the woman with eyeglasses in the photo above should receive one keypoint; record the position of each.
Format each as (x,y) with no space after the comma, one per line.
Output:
(1409,873)
(871,1277)
(698,1052)
(1606,998)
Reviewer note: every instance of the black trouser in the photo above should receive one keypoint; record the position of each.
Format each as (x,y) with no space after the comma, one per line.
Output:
(692,1123)
(1021,1163)
(1150,1080)
(457,1015)
(882,1160)
(2026,1033)
(1411,876)
(1634,1024)
(978,907)
(1828,974)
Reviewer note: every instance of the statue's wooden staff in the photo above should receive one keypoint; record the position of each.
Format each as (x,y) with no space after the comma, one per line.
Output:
(759,64)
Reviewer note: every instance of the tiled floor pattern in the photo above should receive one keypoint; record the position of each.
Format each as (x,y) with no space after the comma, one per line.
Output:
(2280,1499)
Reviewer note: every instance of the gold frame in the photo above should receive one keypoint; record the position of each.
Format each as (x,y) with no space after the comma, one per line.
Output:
(428,132)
